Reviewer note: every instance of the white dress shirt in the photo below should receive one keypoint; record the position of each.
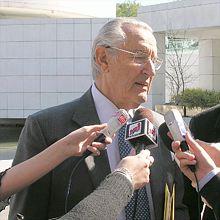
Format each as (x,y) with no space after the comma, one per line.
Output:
(105,110)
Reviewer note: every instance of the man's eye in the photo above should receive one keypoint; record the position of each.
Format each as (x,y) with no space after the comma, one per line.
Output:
(141,58)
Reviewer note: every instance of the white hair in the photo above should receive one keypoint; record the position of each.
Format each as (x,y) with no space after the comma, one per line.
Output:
(112,34)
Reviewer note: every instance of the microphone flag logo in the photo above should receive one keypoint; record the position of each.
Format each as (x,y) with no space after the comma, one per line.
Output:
(135,129)
(122,119)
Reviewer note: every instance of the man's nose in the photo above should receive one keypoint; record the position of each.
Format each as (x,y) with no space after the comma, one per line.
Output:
(149,68)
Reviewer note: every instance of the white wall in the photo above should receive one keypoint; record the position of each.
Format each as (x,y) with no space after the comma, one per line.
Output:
(44,62)
(187,14)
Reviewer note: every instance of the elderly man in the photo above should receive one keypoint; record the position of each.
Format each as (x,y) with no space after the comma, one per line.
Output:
(124,60)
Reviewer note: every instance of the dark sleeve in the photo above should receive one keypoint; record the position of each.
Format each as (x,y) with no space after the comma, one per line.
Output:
(31,202)
(211,192)
(181,210)
(190,199)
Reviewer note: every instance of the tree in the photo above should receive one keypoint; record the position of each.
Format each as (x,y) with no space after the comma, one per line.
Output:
(127,9)
(180,60)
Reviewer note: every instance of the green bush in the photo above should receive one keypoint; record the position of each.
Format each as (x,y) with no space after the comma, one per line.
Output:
(194,98)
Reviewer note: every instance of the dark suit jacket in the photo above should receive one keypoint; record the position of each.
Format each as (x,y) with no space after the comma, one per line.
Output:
(204,126)
(211,192)
(46,198)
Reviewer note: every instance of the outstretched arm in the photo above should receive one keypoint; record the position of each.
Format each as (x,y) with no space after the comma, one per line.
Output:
(107,201)
(29,171)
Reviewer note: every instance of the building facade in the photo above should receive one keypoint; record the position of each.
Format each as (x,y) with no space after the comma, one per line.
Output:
(46,61)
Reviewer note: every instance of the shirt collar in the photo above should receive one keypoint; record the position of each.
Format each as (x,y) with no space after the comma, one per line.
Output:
(104,107)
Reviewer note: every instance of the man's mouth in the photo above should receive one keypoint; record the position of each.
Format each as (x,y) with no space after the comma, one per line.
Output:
(141,84)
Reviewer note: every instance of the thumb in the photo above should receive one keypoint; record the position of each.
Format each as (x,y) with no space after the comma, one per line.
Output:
(196,148)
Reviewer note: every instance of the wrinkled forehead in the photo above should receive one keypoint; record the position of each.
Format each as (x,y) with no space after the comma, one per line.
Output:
(140,38)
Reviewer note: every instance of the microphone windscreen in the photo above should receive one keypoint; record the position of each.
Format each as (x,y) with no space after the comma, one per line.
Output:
(162,131)
(155,118)
(141,113)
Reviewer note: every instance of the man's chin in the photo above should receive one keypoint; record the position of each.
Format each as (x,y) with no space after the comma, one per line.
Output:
(143,97)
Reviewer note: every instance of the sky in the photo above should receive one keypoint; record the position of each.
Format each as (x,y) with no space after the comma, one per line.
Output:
(106,8)
(109,8)
(96,8)
(146,2)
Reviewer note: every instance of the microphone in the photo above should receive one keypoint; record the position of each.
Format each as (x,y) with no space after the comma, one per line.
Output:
(114,124)
(162,131)
(154,117)
(177,128)
(141,132)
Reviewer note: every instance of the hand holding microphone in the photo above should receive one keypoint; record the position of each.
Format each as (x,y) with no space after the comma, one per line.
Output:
(106,134)
(138,167)
(213,150)
(90,139)
(78,141)
(200,158)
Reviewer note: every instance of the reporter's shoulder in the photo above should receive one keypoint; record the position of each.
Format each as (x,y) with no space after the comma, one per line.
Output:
(210,112)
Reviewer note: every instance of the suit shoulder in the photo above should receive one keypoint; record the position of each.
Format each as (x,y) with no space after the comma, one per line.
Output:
(56,111)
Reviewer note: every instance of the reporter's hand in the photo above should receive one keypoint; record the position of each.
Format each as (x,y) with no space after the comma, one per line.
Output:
(199,157)
(139,167)
(213,149)
(78,141)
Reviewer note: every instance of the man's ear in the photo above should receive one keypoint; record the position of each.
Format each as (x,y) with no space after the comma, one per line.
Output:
(101,58)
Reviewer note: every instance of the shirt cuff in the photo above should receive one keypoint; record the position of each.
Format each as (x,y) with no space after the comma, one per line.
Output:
(208,177)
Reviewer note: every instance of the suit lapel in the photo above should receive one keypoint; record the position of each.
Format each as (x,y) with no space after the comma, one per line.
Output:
(85,114)
(98,167)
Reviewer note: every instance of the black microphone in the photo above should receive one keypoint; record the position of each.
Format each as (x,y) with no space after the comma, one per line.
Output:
(141,132)
(162,132)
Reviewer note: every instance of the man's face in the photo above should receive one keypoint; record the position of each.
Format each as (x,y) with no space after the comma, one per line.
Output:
(127,82)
